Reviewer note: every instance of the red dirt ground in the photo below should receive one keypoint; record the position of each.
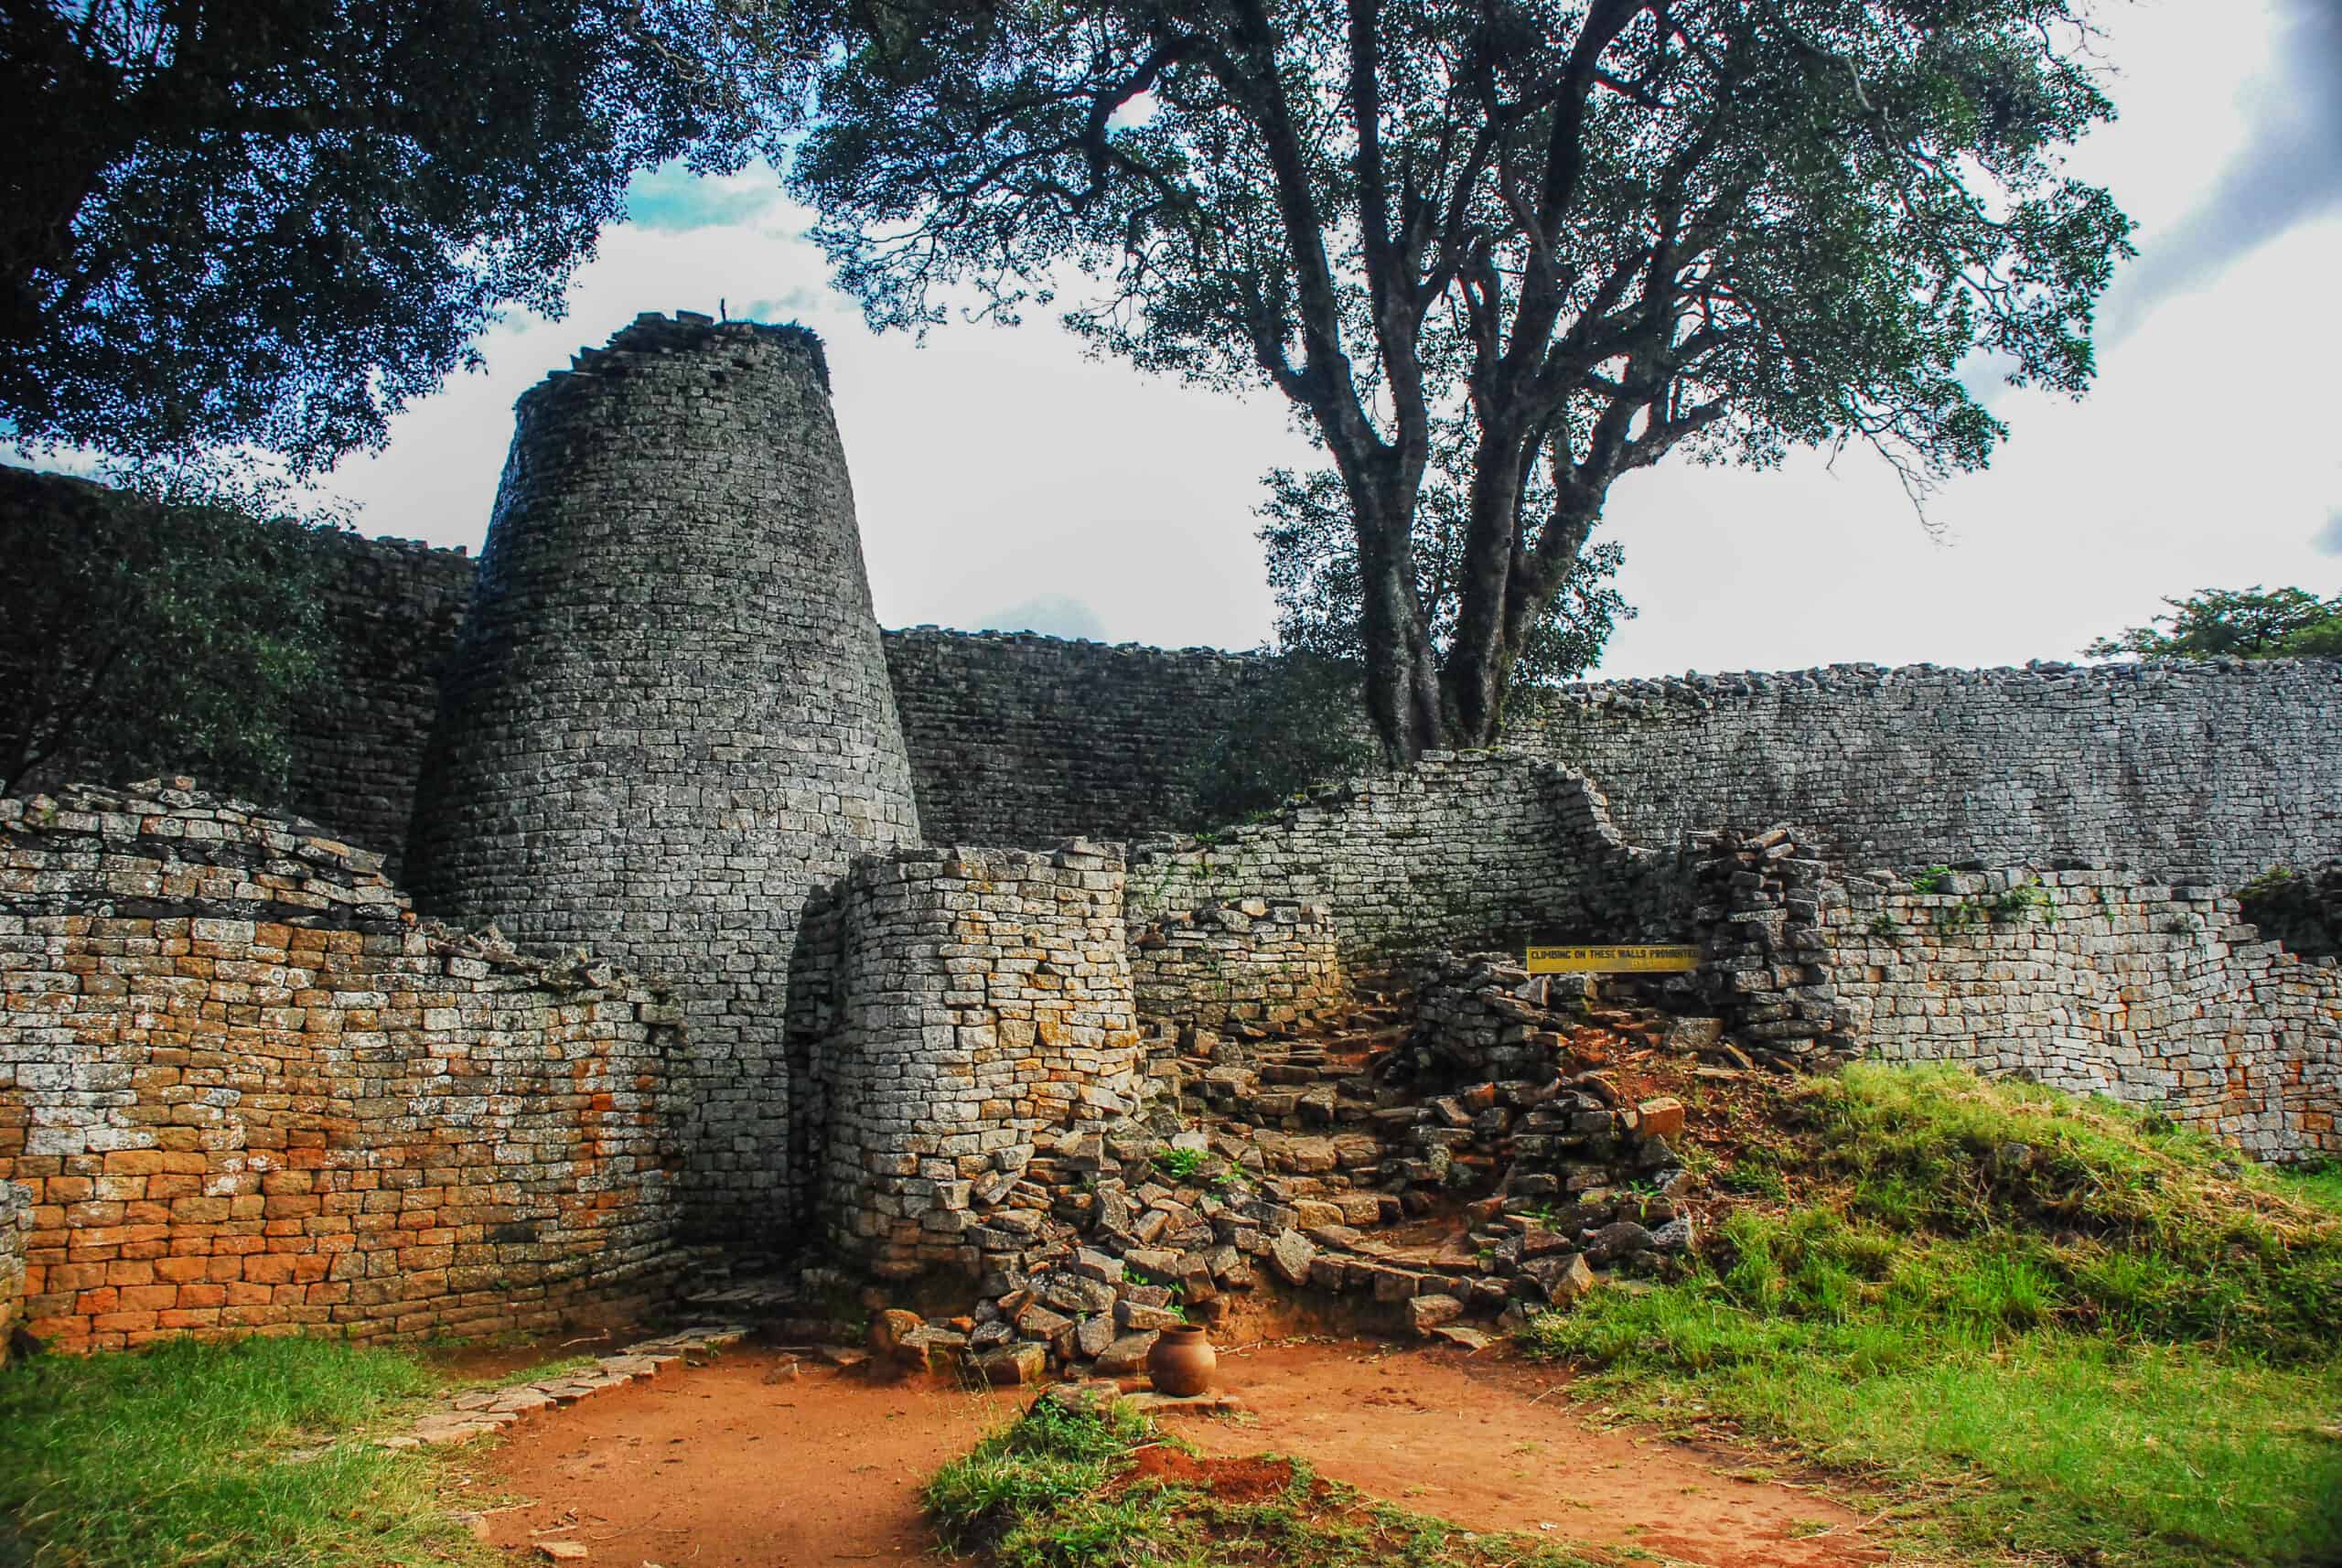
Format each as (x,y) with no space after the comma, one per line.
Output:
(1491,1443)
(718,1468)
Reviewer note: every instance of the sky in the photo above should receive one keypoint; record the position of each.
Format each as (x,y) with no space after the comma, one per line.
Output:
(1005,479)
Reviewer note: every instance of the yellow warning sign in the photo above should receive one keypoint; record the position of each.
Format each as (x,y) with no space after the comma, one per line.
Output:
(1613,960)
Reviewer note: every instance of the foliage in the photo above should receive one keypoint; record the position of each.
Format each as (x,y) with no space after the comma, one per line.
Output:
(2105,1339)
(1311,550)
(2024,901)
(1934,879)
(139,635)
(1051,1491)
(1298,727)
(273,223)
(2248,623)
(1181,1163)
(180,1455)
(2301,910)
(1569,237)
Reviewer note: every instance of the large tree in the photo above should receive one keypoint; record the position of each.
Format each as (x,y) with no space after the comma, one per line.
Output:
(269,223)
(1597,230)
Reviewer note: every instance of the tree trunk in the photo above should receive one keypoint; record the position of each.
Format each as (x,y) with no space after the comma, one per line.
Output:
(1480,655)
(1402,673)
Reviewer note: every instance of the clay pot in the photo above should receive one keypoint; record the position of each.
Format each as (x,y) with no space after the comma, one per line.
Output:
(1182,1363)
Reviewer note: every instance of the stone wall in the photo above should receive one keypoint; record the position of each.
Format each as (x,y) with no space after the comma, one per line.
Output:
(669,719)
(247,1091)
(983,1003)
(2095,980)
(393,607)
(1240,960)
(1465,851)
(2102,983)
(15,1238)
(1024,739)
(2213,771)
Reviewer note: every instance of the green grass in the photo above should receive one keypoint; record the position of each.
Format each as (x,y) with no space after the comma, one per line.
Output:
(2085,1336)
(187,1454)
(543,1371)
(1042,1493)
(2320,1184)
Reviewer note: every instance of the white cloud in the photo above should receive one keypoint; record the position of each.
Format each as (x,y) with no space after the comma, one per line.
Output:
(1055,615)
(2328,539)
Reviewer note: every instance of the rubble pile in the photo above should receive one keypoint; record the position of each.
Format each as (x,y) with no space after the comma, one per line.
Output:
(1471,1167)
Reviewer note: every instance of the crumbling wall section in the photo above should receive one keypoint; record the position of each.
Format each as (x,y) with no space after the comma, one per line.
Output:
(1465,851)
(1240,961)
(983,1001)
(246,1091)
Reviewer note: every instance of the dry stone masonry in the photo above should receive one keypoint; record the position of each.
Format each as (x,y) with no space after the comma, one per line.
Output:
(1108,1079)
(1023,739)
(669,718)
(393,607)
(1464,850)
(1245,961)
(2214,771)
(2100,982)
(245,1090)
(984,1005)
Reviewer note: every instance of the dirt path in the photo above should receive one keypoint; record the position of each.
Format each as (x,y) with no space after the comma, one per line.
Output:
(718,1468)
(1489,1443)
(715,1468)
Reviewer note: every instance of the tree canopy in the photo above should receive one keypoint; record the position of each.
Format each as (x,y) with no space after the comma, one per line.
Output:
(2247,623)
(1594,233)
(270,223)
(1312,551)
(136,635)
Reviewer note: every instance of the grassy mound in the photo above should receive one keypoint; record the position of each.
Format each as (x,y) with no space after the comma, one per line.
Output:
(2093,1337)
(235,1456)
(1065,1488)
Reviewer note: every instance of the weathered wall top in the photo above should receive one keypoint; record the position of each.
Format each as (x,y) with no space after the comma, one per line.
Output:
(2213,770)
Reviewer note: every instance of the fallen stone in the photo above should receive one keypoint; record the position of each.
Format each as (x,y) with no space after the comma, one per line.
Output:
(1096,1265)
(1564,1277)
(1094,1335)
(1466,1338)
(1037,1322)
(1661,1118)
(1674,1236)
(1138,1317)
(1127,1354)
(1290,1255)
(1013,1364)
(1148,1404)
(1616,1242)
(888,1330)
(1425,1313)
(563,1551)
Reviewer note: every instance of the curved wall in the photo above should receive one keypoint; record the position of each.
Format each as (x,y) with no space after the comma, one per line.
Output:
(669,717)
(2211,771)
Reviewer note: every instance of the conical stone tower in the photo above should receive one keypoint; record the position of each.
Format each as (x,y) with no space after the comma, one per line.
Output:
(669,718)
